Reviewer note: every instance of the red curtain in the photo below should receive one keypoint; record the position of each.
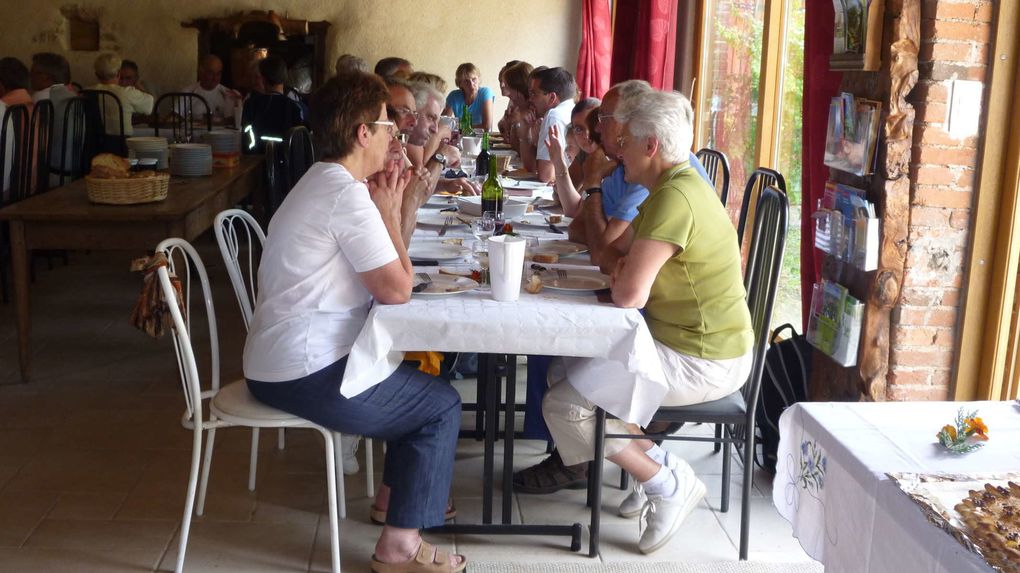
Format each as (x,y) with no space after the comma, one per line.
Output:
(596,52)
(644,43)
(820,86)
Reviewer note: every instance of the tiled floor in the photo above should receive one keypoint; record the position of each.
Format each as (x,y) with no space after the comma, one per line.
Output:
(93,460)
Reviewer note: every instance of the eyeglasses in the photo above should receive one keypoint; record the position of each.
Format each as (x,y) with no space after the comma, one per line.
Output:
(404,110)
(605,116)
(391,128)
(536,93)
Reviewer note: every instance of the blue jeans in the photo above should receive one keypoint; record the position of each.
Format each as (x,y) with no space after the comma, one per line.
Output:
(418,415)
(534,422)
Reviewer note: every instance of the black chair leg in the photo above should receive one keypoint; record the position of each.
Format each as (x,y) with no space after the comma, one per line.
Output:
(624,479)
(718,437)
(745,497)
(724,505)
(595,482)
(549,446)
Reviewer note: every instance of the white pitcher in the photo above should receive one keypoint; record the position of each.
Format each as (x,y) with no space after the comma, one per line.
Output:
(506,264)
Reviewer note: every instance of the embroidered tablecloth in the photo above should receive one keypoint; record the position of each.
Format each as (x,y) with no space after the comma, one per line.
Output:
(831,481)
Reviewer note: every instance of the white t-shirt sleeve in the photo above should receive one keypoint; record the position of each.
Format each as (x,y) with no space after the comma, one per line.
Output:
(542,151)
(360,232)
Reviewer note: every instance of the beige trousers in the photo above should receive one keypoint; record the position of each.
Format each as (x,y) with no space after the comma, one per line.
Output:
(692,380)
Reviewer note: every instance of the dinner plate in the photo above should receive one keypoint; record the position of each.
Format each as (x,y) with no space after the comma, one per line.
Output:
(437,219)
(575,281)
(437,252)
(538,220)
(558,247)
(443,285)
(516,184)
(440,201)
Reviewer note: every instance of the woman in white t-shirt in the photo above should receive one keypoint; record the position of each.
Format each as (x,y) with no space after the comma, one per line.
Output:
(333,248)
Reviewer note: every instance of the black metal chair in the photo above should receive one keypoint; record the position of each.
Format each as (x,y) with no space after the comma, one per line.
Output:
(42,139)
(298,155)
(106,103)
(15,175)
(736,411)
(275,177)
(79,142)
(717,167)
(179,110)
(761,178)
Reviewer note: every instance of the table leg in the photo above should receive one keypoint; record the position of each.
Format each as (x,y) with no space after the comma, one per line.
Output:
(487,368)
(20,258)
(509,420)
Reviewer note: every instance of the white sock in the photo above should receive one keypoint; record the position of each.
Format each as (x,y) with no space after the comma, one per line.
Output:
(657,453)
(663,483)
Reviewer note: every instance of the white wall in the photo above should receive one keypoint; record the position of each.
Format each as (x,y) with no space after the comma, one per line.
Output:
(435,35)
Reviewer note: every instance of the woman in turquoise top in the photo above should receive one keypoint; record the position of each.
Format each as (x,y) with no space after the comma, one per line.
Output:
(478,99)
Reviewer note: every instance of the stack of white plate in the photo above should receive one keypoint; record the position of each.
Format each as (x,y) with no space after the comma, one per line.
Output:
(149,148)
(191,159)
(223,141)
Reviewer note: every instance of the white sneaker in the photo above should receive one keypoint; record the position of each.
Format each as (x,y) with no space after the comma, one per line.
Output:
(632,505)
(349,447)
(664,515)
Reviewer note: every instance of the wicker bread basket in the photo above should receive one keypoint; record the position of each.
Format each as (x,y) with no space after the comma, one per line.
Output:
(128,191)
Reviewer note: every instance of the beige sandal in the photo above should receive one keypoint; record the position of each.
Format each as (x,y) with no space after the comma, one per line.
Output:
(378,516)
(428,560)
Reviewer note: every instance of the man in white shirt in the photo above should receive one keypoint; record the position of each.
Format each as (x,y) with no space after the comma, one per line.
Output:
(107,68)
(551,93)
(221,99)
(49,77)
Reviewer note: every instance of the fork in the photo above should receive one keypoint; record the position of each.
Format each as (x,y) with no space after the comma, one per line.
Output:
(561,274)
(425,279)
(446,225)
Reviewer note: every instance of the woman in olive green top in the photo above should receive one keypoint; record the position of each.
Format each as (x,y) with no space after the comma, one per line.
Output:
(679,261)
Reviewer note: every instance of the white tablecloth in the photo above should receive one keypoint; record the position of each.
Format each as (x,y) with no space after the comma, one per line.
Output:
(630,382)
(831,481)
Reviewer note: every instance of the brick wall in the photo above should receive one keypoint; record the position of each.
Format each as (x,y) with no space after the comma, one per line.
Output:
(954,46)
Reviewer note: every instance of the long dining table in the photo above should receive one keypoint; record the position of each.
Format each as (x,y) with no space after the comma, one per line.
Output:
(557,322)
(64,218)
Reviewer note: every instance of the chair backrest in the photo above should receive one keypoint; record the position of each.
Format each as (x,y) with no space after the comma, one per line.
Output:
(15,154)
(236,230)
(78,144)
(759,180)
(298,155)
(179,113)
(274,177)
(718,169)
(111,119)
(184,260)
(761,279)
(42,137)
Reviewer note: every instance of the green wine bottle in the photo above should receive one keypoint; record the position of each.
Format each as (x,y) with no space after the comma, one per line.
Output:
(466,128)
(492,190)
(482,162)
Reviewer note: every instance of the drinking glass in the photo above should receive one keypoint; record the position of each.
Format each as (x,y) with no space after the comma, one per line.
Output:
(497,220)
(483,227)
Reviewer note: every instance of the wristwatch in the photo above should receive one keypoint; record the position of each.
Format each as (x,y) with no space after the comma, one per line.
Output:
(439,158)
(592,191)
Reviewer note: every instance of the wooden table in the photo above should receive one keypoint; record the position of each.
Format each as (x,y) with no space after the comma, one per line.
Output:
(64,218)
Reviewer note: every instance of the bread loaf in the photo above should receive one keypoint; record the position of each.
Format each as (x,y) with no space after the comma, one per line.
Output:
(547,258)
(115,167)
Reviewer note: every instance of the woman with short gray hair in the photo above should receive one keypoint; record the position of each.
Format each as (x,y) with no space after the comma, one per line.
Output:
(680,262)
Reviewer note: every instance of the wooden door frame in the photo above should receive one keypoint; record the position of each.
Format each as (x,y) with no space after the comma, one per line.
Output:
(984,355)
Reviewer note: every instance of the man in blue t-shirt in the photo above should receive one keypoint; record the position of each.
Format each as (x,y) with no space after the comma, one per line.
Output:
(610,203)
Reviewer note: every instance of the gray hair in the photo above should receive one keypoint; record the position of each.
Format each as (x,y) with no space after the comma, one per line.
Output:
(666,116)
(630,88)
(107,66)
(350,62)
(422,91)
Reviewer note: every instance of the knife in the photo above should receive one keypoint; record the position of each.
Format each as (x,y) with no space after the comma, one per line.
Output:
(555,229)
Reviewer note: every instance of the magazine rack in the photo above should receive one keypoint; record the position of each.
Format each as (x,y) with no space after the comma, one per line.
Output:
(857,44)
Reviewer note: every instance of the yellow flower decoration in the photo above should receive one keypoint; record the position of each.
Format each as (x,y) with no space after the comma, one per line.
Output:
(977,427)
(951,431)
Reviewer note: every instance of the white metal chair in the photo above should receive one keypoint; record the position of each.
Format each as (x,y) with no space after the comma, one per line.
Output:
(236,231)
(232,405)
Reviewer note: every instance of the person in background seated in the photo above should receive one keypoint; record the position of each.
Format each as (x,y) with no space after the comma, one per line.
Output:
(568,153)
(429,137)
(551,93)
(680,262)
(478,99)
(267,111)
(516,123)
(401,106)
(333,249)
(130,78)
(221,99)
(107,68)
(14,82)
(50,78)
(393,67)
(350,63)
